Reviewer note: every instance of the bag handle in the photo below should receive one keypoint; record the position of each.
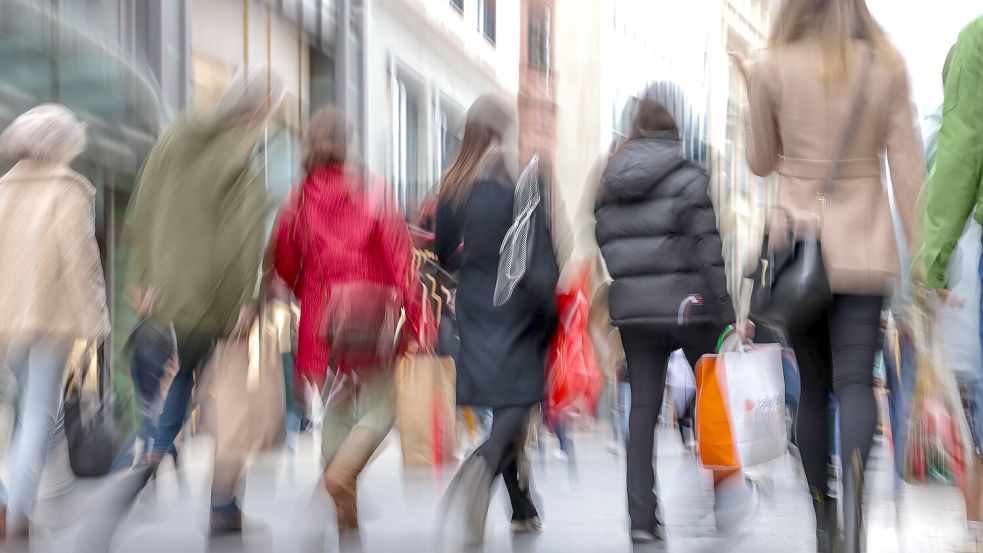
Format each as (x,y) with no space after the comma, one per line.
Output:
(849,129)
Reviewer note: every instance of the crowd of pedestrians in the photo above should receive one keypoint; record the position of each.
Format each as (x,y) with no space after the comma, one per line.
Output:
(828,103)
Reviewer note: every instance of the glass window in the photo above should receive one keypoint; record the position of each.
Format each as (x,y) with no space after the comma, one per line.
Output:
(449,139)
(486,19)
(459,4)
(539,38)
(406,170)
(322,70)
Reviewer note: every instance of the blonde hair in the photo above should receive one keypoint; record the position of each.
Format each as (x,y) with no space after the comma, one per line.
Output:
(49,132)
(839,23)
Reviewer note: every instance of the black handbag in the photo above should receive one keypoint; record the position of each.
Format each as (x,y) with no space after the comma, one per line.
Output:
(791,286)
(90,427)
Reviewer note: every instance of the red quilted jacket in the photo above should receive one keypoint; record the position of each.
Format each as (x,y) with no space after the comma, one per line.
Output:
(346,228)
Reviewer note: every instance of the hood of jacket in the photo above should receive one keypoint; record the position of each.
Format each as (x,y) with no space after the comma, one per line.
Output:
(639,165)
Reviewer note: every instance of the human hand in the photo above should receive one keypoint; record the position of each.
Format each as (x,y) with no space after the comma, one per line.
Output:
(949,299)
(744,330)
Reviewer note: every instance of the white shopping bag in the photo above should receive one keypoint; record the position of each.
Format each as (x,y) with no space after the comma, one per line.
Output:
(740,407)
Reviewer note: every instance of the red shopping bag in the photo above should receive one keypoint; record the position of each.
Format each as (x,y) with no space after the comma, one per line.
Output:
(574,381)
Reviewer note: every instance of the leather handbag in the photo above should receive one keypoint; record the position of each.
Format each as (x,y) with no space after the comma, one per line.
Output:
(91,427)
(791,288)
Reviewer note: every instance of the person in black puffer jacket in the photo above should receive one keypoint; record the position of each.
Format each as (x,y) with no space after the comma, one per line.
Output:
(657,231)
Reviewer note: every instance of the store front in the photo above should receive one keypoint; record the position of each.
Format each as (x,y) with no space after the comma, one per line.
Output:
(72,53)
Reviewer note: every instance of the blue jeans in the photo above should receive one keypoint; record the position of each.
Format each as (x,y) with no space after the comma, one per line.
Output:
(621,412)
(147,372)
(193,352)
(38,367)
(901,384)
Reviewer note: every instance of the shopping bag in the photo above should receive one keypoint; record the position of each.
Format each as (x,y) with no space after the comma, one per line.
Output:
(740,407)
(573,379)
(681,382)
(939,444)
(242,400)
(425,410)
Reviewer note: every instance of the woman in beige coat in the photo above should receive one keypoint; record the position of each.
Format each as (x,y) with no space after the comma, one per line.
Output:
(52,290)
(801,91)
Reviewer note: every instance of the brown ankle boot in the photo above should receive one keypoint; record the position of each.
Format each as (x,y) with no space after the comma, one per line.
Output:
(341,474)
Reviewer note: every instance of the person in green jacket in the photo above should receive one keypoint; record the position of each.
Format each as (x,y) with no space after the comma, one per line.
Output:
(956,183)
(955,189)
(197,224)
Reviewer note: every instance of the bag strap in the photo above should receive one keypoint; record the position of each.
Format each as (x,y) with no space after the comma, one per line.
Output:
(848,131)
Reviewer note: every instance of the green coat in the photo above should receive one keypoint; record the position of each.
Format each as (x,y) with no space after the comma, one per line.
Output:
(197,220)
(956,184)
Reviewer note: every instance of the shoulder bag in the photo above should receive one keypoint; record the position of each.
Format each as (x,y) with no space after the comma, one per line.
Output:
(791,289)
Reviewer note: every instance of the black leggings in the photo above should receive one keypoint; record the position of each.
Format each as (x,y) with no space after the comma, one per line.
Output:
(647,351)
(837,354)
(502,451)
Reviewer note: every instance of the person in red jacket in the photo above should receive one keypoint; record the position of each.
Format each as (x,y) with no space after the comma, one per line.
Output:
(339,232)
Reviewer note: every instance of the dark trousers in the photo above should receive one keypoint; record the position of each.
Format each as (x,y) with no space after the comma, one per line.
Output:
(193,351)
(648,351)
(837,354)
(502,451)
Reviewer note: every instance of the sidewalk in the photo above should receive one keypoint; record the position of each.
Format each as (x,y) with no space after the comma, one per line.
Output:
(583,507)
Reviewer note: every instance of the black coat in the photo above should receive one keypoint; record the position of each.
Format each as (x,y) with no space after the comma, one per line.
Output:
(502,357)
(658,235)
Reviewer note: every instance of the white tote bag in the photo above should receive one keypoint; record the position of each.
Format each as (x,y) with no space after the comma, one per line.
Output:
(740,407)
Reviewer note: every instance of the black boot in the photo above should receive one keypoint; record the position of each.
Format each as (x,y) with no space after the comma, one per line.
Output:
(854,531)
(827,533)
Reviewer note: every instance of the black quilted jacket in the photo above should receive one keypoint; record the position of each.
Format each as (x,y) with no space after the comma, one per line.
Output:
(658,235)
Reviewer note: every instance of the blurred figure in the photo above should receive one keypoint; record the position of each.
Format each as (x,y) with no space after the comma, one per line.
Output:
(682,389)
(622,406)
(953,193)
(502,360)
(48,216)
(340,228)
(197,222)
(152,349)
(801,92)
(657,231)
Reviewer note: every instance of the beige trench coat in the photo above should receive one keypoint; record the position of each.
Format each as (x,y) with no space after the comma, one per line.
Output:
(794,127)
(51,277)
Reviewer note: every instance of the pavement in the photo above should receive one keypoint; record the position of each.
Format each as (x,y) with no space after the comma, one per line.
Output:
(582,503)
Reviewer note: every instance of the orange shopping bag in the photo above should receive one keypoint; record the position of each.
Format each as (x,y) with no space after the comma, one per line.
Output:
(740,407)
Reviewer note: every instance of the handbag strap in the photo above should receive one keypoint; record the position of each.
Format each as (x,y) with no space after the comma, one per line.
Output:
(848,131)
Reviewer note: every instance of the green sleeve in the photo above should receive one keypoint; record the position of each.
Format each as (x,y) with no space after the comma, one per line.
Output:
(953,185)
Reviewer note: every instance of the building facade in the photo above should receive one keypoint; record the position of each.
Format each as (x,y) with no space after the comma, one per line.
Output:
(537,81)
(426,62)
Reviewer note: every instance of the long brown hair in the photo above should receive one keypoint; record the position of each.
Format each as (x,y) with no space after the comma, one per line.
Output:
(487,122)
(838,22)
